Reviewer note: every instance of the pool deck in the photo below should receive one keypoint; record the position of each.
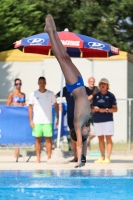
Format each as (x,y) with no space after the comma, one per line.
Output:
(119,160)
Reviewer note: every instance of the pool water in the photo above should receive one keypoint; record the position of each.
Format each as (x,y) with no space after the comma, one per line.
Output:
(66,184)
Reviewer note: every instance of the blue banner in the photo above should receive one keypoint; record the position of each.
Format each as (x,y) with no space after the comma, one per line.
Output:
(15,129)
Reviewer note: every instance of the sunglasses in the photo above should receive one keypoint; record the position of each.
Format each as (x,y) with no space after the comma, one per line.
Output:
(16,84)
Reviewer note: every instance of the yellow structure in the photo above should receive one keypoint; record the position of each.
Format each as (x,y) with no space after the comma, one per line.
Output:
(16,55)
(122,56)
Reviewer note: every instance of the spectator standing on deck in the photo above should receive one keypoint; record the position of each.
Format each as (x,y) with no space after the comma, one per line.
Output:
(104,105)
(16,98)
(40,116)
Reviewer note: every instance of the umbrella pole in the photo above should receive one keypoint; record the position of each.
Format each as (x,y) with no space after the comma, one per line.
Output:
(60,112)
(43,67)
(60,104)
(92,68)
(57,156)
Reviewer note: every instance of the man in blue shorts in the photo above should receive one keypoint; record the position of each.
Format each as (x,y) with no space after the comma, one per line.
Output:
(75,85)
(70,115)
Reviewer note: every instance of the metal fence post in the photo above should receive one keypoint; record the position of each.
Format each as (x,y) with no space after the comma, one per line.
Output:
(43,68)
(129,123)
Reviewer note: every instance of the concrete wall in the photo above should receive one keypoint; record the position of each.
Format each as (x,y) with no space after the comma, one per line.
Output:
(130,93)
(28,72)
(116,73)
(130,80)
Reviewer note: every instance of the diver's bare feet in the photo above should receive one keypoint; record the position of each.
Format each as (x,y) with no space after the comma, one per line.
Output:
(53,24)
(48,24)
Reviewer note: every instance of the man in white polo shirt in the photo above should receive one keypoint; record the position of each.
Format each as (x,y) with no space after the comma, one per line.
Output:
(40,116)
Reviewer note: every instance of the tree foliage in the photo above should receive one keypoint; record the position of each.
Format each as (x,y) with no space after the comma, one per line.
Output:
(108,20)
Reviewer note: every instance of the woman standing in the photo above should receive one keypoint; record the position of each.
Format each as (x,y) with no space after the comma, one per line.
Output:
(104,105)
(16,98)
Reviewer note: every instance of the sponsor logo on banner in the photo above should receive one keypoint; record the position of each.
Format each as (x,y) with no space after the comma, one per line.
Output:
(70,43)
(114,50)
(36,41)
(96,45)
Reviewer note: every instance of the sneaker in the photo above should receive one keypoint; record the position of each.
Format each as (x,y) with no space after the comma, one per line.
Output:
(106,161)
(99,161)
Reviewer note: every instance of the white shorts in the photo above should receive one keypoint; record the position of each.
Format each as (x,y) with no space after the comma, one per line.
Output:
(104,128)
